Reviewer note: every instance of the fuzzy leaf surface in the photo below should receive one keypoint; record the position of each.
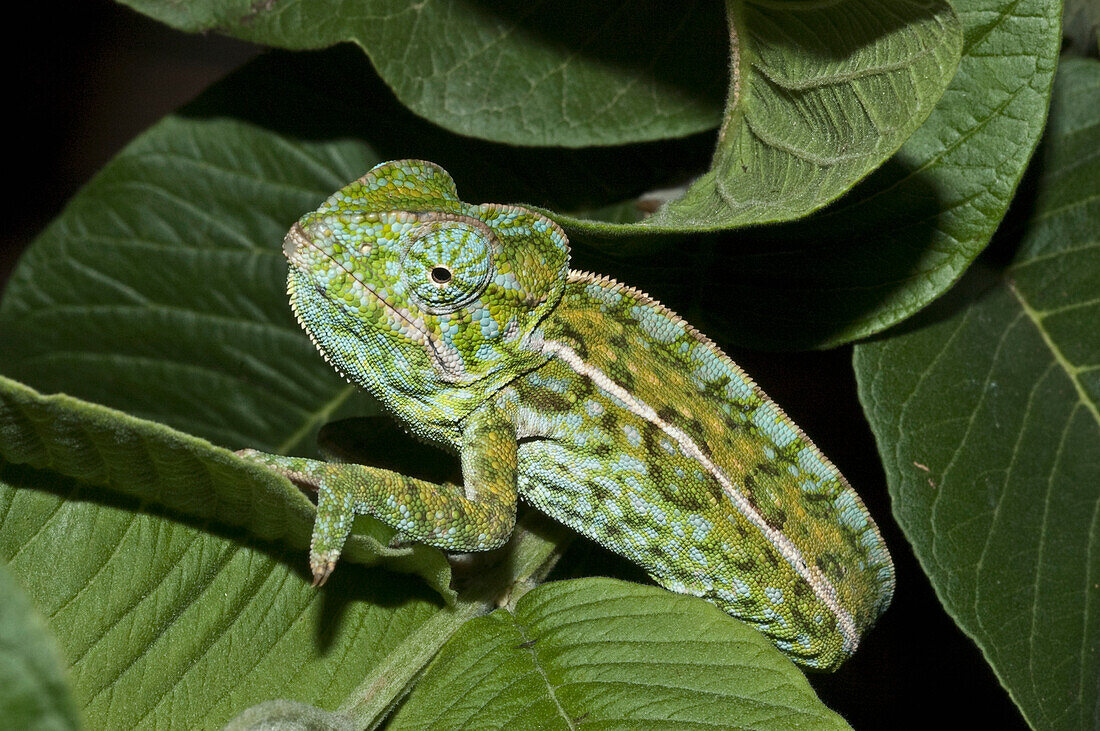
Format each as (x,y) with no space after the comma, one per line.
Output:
(34,692)
(169,616)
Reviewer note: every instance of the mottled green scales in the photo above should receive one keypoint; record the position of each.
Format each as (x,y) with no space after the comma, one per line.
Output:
(582,396)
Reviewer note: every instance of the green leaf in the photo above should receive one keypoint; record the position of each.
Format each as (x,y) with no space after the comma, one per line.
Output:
(167,621)
(569,73)
(820,93)
(187,475)
(159,290)
(613,654)
(34,692)
(987,415)
(904,235)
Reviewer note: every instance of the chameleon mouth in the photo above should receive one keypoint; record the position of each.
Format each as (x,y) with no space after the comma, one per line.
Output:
(299,247)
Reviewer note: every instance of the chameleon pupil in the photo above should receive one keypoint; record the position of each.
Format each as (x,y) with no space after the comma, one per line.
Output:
(441,275)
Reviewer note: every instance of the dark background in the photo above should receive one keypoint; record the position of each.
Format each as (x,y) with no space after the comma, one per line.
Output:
(83,80)
(84,87)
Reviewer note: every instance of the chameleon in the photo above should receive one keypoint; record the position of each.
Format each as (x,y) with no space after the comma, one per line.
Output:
(584,397)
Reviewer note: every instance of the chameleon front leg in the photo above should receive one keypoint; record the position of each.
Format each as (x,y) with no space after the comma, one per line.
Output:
(477,516)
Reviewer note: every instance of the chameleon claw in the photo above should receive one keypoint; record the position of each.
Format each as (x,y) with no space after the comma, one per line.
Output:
(320,576)
(321,567)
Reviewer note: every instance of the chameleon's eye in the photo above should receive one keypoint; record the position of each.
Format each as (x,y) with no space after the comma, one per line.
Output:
(446,265)
(441,275)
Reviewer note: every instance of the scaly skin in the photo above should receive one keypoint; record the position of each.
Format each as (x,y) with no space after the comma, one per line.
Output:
(586,398)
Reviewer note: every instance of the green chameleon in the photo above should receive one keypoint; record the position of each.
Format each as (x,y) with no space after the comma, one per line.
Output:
(589,399)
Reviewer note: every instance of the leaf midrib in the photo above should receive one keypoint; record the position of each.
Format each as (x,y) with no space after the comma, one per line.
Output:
(550,689)
(1071,371)
(317,417)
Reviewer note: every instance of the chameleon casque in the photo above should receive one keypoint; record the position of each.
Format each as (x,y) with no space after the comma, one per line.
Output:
(586,398)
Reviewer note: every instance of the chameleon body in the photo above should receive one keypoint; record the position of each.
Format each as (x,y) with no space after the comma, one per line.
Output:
(585,397)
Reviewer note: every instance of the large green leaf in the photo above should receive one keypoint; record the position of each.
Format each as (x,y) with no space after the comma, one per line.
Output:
(987,416)
(820,92)
(34,692)
(123,533)
(156,465)
(611,654)
(164,623)
(159,290)
(170,621)
(568,73)
(904,235)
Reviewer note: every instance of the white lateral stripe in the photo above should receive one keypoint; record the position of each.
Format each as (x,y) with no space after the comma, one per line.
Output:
(821,585)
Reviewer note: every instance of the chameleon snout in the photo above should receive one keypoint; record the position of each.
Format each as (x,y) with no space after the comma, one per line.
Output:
(296,240)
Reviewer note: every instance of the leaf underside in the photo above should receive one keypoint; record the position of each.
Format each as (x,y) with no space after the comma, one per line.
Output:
(122,532)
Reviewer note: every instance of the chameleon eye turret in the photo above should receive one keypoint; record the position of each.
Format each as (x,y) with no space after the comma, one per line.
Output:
(447,264)
(581,396)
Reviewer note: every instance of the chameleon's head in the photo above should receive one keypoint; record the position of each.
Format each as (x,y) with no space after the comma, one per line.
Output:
(403,286)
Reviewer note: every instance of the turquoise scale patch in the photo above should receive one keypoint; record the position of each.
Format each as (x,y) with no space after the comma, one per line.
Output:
(486,353)
(811,462)
(656,324)
(629,463)
(849,512)
(633,436)
(702,527)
